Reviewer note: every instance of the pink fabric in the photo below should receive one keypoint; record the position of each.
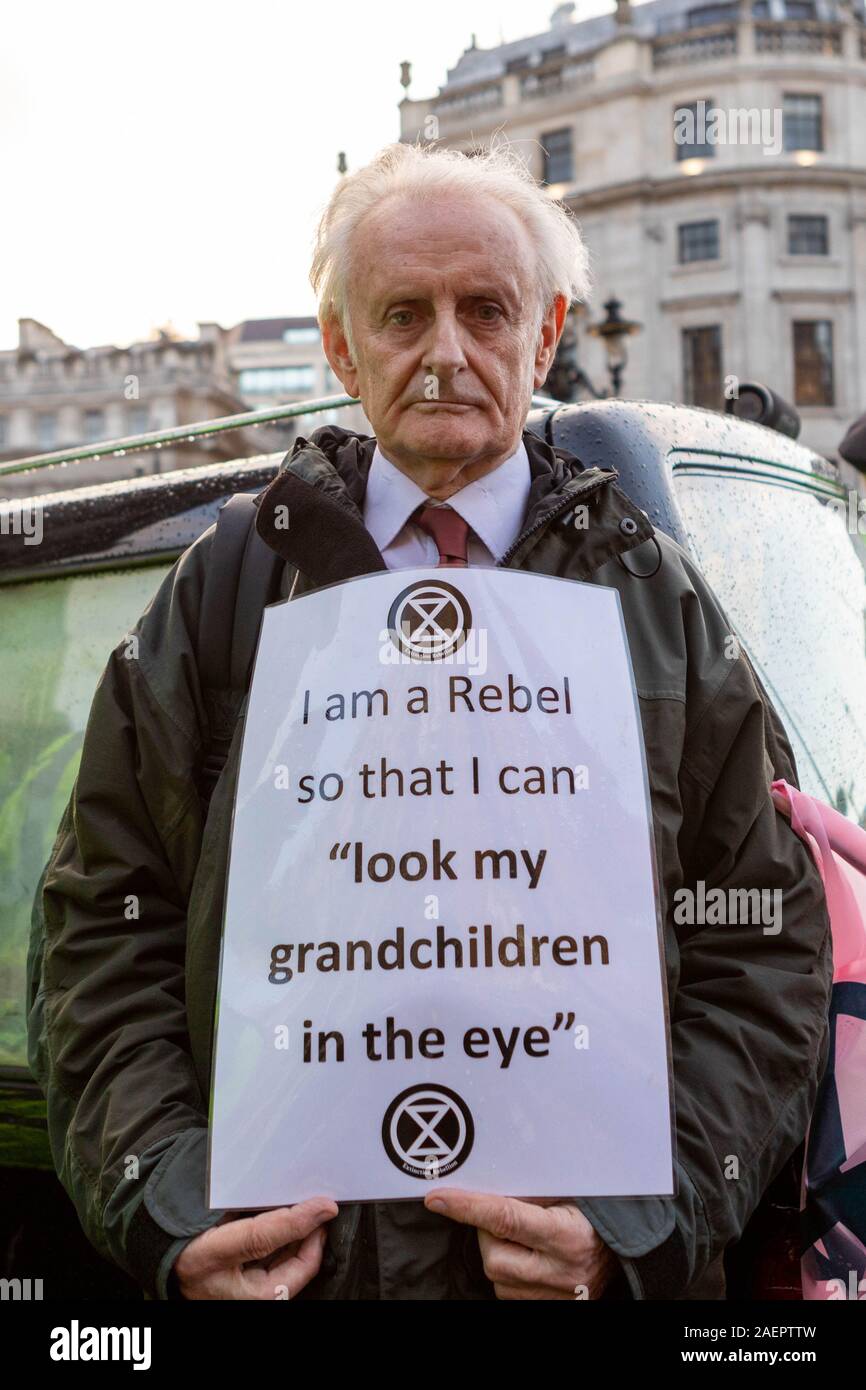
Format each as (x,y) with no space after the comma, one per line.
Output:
(850,1069)
(839,850)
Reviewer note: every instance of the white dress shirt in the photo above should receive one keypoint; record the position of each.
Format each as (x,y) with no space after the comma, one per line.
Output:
(493,506)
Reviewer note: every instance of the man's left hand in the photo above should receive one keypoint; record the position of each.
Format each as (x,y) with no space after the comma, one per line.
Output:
(539,1249)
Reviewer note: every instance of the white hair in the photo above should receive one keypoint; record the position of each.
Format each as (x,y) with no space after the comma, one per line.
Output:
(422,172)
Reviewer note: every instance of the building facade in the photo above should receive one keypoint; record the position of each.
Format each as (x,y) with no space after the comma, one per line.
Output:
(54,397)
(715,157)
(279,361)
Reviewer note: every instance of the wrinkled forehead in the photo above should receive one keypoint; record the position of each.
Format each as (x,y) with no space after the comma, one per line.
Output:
(439,241)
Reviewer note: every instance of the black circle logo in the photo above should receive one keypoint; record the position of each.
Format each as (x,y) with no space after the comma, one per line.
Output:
(429,620)
(428,1132)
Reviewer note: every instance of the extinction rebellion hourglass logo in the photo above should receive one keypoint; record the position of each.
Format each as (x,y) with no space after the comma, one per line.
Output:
(428,1131)
(429,620)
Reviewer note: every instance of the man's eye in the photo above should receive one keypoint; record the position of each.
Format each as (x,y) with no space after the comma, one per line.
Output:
(401,317)
(489,312)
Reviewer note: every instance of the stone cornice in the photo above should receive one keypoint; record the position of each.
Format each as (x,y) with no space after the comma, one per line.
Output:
(723,300)
(812,296)
(722,180)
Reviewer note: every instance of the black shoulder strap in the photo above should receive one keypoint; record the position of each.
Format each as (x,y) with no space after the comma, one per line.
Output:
(242,578)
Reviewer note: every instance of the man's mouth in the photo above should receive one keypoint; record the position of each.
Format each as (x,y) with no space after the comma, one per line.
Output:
(457,406)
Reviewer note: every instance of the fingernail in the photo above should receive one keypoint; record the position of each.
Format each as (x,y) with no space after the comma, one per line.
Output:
(436,1204)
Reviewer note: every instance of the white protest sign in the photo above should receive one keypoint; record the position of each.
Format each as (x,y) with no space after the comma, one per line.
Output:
(441,956)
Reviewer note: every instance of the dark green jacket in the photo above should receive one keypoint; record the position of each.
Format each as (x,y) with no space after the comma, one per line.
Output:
(122,1005)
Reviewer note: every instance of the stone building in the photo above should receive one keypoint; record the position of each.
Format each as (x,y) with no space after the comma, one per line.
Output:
(715,156)
(54,397)
(279,361)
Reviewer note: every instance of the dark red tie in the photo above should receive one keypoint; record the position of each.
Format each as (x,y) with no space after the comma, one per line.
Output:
(449,531)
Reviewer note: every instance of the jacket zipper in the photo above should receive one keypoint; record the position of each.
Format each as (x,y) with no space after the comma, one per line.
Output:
(552,515)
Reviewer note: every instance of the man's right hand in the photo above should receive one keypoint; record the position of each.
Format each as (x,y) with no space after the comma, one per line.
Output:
(269,1256)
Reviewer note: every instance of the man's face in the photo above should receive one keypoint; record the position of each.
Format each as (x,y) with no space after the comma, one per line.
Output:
(449,340)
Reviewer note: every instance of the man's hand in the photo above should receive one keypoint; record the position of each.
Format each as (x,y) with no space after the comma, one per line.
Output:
(530,1249)
(267,1256)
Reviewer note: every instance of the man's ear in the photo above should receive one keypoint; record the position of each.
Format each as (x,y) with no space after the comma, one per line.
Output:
(549,335)
(339,357)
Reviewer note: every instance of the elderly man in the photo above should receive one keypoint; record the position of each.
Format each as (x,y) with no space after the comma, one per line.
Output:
(443,284)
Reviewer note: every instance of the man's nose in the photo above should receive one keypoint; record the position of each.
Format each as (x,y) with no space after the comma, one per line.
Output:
(443,353)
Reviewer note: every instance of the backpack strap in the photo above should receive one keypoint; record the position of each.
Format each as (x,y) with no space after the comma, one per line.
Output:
(242,577)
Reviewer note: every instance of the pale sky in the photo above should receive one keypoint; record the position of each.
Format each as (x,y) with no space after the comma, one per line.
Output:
(167,162)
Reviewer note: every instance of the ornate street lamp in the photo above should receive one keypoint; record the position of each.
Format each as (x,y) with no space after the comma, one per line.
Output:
(615,332)
(567,378)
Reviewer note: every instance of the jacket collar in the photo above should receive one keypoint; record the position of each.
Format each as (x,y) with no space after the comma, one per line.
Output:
(311,514)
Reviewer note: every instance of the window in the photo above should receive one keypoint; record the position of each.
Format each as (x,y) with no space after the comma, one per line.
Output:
(803,122)
(690,130)
(698,241)
(302,335)
(139,419)
(813,362)
(807,236)
(702,366)
(57,633)
(801,623)
(2,431)
(94,426)
(263,381)
(558,160)
(46,431)
(799,9)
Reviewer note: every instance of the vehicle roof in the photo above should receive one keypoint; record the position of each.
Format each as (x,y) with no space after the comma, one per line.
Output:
(146,518)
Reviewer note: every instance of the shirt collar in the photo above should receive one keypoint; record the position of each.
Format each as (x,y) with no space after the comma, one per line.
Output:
(494,505)
(390,500)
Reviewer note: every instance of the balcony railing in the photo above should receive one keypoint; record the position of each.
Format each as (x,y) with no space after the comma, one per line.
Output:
(479,99)
(800,37)
(674,46)
(682,49)
(542,84)
(93,384)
